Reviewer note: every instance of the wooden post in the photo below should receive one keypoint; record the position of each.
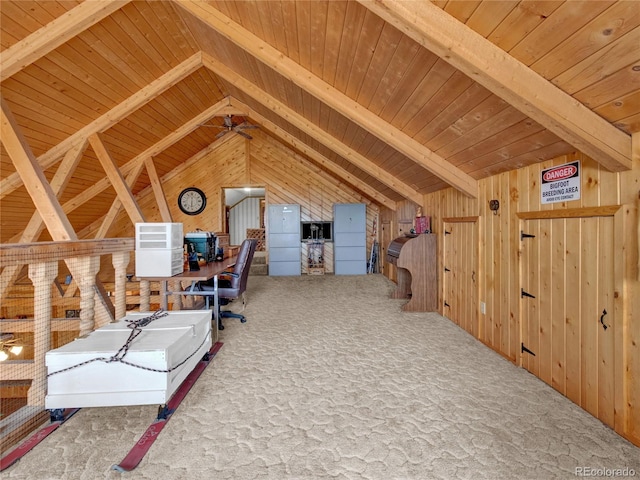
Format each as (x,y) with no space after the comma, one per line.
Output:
(145,293)
(120,262)
(176,286)
(87,268)
(42,276)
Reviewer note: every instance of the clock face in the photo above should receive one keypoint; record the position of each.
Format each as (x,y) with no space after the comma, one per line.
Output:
(192,201)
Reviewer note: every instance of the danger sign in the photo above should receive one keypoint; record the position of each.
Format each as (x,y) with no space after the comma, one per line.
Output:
(561,183)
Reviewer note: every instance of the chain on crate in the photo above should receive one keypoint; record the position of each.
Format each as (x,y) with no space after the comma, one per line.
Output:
(136,327)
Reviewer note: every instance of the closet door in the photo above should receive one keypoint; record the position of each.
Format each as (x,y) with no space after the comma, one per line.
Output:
(460,289)
(350,238)
(568,322)
(284,240)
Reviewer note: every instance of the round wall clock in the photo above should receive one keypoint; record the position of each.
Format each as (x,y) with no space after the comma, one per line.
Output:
(192,201)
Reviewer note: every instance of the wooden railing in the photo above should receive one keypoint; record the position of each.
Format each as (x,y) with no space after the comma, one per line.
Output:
(97,305)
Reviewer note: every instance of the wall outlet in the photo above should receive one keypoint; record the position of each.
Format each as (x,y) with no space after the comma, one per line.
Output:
(483,308)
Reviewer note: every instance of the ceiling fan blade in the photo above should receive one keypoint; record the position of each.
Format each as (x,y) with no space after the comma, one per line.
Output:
(245,135)
(222,133)
(248,127)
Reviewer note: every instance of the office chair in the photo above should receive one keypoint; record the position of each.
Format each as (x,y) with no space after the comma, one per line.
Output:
(232,284)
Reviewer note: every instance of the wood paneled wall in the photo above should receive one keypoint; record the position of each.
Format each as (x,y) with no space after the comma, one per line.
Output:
(243,215)
(500,270)
(261,162)
(289,178)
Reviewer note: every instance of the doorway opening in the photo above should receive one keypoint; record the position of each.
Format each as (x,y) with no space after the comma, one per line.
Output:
(244,212)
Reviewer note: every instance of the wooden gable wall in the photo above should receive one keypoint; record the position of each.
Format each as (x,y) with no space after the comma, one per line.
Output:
(596,367)
(262,162)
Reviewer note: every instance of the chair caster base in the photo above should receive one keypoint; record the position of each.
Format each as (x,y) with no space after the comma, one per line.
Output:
(243,320)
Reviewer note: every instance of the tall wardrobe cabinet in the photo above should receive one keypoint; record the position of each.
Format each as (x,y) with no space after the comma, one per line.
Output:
(284,240)
(350,238)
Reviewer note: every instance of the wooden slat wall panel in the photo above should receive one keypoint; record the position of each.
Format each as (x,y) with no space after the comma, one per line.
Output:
(436,89)
(374,182)
(499,282)
(272,165)
(94,71)
(20,19)
(289,180)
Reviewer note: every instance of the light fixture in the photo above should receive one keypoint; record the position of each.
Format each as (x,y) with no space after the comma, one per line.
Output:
(247,189)
(9,344)
(494,205)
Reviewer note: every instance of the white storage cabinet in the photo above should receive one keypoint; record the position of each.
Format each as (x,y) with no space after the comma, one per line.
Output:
(284,240)
(162,345)
(159,249)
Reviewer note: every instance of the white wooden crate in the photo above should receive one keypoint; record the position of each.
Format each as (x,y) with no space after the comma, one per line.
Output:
(163,344)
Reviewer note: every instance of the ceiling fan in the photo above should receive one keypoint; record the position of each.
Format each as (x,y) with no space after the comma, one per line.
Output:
(230,126)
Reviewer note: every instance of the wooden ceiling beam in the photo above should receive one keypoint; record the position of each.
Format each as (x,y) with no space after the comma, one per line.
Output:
(153,150)
(508,78)
(109,119)
(311,129)
(117,180)
(35,225)
(116,206)
(55,33)
(33,177)
(332,97)
(318,158)
(158,192)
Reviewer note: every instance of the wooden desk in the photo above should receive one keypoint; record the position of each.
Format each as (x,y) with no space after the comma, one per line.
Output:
(206,272)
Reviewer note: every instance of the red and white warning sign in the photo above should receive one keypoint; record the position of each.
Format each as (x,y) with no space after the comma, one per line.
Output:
(561,183)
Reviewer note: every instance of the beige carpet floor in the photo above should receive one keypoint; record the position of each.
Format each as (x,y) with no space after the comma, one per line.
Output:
(328,379)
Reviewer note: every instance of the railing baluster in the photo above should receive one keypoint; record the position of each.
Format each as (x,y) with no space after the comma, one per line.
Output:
(42,276)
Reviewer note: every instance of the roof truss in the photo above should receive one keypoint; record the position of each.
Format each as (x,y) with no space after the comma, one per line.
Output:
(427,24)
(508,78)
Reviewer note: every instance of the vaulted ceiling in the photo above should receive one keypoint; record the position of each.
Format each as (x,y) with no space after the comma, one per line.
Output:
(406,98)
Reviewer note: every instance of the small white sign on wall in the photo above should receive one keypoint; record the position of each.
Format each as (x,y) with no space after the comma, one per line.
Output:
(561,183)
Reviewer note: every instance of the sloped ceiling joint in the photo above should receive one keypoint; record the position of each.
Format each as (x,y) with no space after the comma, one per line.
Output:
(36,225)
(148,190)
(55,33)
(109,119)
(342,174)
(508,78)
(29,170)
(343,104)
(117,180)
(156,184)
(153,150)
(58,183)
(116,206)
(311,129)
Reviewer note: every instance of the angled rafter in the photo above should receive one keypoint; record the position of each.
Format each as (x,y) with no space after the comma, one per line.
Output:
(156,185)
(312,130)
(340,102)
(116,206)
(320,159)
(508,78)
(117,180)
(54,34)
(113,116)
(153,150)
(41,192)
(35,226)
(87,231)
(36,183)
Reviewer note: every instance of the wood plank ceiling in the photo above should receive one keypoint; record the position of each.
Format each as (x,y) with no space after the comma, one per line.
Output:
(360,83)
